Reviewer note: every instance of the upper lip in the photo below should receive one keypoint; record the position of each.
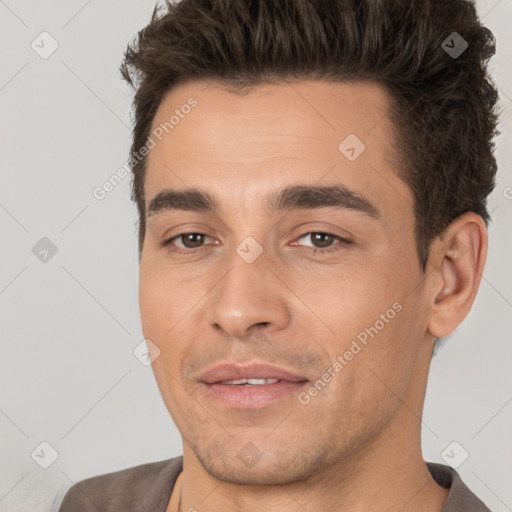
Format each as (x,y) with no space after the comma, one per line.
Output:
(230,371)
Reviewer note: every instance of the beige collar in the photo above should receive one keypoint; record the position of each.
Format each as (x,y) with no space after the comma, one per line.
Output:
(174,502)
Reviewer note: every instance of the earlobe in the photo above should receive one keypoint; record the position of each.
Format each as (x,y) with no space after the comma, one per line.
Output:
(460,254)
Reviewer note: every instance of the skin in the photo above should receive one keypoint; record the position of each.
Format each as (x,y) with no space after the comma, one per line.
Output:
(356,445)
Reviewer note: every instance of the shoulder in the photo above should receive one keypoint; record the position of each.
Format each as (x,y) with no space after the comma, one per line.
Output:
(460,497)
(146,486)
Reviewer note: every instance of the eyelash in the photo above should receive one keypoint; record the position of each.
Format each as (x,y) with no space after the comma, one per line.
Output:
(343,242)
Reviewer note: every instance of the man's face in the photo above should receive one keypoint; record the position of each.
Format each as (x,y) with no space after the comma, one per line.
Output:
(214,298)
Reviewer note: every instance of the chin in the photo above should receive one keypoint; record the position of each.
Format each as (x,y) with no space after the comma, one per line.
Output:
(249,466)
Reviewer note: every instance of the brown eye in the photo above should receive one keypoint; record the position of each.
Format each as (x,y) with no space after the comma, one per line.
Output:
(192,240)
(322,240)
(186,241)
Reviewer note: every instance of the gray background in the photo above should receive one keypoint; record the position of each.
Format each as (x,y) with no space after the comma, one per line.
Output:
(68,373)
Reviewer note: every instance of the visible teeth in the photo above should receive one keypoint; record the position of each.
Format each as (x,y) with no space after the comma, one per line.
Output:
(262,381)
(250,381)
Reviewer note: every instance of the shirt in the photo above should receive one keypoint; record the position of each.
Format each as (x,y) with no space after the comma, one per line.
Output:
(174,503)
(148,488)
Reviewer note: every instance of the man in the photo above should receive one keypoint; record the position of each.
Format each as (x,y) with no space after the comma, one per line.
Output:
(311,180)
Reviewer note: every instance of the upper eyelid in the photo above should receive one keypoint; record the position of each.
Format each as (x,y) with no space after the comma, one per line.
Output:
(337,242)
(339,237)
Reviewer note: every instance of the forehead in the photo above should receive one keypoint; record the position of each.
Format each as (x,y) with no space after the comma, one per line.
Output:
(323,111)
(274,134)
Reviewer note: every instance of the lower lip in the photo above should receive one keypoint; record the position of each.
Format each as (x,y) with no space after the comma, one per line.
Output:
(252,397)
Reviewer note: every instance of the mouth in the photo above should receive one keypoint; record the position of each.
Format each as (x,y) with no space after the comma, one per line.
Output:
(250,382)
(250,387)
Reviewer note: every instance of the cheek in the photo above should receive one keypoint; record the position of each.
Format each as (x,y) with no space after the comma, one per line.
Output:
(374,323)
(347,299)
(168,310)
(158,306)
(160,297)
(150,303)
(377,365)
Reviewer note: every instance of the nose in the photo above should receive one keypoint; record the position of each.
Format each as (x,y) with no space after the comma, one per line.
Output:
(249,296)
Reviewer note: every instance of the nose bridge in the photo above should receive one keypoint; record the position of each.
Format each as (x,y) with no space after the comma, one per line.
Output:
(248,294)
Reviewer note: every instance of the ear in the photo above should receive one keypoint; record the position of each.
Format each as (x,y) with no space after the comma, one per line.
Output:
(457,260)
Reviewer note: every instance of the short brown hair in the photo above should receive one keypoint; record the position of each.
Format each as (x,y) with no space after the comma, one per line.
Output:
(444,105)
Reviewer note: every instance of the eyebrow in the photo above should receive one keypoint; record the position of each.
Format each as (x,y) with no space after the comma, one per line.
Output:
(289,198)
